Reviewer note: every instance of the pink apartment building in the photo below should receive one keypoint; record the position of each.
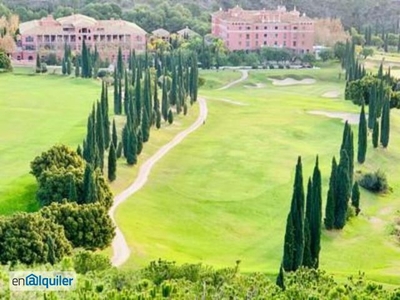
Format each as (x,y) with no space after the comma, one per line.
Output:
(253,29)
(49,35)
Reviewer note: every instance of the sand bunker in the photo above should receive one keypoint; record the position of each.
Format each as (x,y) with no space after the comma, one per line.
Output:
(352,118)
(331,94)
(255,86)
(230,101)
(291,81)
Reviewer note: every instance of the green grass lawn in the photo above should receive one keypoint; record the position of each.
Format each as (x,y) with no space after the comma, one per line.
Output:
(36,113)
(224,193)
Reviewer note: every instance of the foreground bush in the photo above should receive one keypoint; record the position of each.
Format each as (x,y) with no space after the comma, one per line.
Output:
(375,182)
(87,226)
(31,239)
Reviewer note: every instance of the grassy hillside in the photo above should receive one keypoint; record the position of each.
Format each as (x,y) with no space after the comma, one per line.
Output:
(37,112)
(224,193)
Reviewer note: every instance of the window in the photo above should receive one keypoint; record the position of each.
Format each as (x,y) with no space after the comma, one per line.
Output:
(265,35)
(240,27)
(256,35)
(247,36)
(284,35)
(248,28)
(265,27)
(276,35)
(240,43)
(284,43)
(276,27)
(265,43)
(276,43)
(295,28)
(29,39)
(284,27)
(256,27)
(247,44)
(294,43)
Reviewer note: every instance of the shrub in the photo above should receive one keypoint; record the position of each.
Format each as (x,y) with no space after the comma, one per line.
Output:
(375,182)
(271,66)
(85,261)
(281,66)
(5,63)
(102,73)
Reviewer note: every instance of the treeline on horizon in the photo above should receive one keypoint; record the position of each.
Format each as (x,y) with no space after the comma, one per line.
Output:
(175,15)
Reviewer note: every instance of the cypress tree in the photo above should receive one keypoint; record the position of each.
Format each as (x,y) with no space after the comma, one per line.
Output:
(355,197)
(89,186)
(63,67)
(362,137)
(173,94)
(398,45)
(372,107)
(120,63)
(375,134)
(119,99)
(315,215)
(297,210)
(114,134)
(125,140)
(131,158)
(100,135)
(288,246)
(77,71)
(112,163)
(330,209)
(385,125)
(164,99)
(68,66)
(280,280)
(116,93)
(72,194)
(138,98)
(85,63)
(119,150)
(51,256)
(170,117)
(145,126)
(104,110)
(79,150)
(126,93)
(139,141)
(38,64)
(342,192)
(307,259)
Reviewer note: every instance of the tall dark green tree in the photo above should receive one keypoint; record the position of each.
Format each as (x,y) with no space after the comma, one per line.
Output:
(385,124)
(77,70)
(307,259)
(164,99)
(100,134)
(342,192)
(355,197)
(89,186)
(372,107)
(294,254)
(131,158)
(112,163)
(114,134)
(375,134)
(362,137)
(315,215)
(72,194)
(280,280)
(331,198)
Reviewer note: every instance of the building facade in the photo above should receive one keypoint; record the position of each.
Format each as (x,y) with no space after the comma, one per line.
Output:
(251,30)
(50,35)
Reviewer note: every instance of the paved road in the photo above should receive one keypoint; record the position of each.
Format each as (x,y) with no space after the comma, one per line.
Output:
(245,74)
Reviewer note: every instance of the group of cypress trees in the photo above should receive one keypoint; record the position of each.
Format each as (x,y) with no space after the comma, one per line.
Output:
(341,184)
(136,94)
(303,226)
(98,137)
(354,70)
(88,64)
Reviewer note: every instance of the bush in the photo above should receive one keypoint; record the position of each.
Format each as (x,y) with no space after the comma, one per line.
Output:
(271,66)
(85,261)
(5,63)
(375,182)
(281,66)
(102,73)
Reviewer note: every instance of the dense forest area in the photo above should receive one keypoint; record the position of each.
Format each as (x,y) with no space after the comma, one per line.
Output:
(174,15)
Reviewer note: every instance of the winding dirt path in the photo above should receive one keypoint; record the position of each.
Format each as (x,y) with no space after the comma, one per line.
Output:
(245,74)
(121,250)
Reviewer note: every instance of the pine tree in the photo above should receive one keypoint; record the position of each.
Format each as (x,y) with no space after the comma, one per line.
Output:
(112,163)
(280,280)
(355,198)
(331,198)
(114,134)
(375,134)
(385,125)
(362,137)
